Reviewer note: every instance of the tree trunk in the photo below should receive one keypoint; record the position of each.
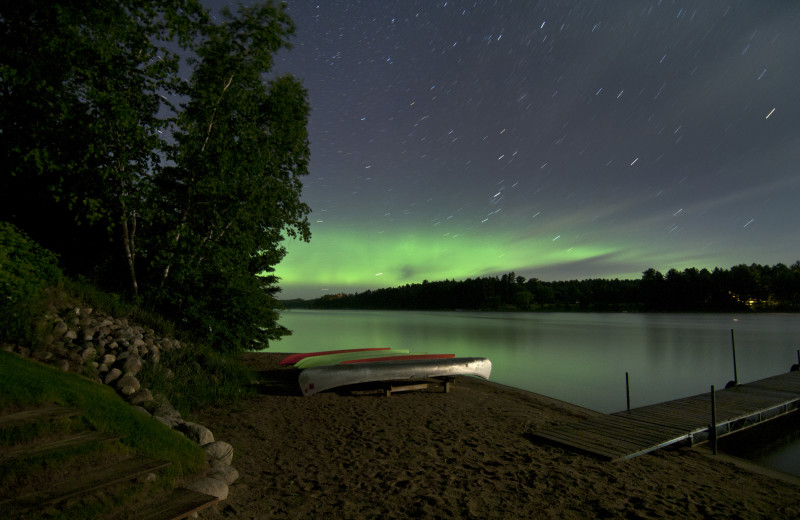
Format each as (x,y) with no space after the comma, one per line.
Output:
(128,244)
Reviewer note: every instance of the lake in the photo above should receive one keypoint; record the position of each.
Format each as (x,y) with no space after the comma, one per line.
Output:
(581,358)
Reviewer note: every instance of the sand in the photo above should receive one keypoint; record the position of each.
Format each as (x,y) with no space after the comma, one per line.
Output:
(464,454)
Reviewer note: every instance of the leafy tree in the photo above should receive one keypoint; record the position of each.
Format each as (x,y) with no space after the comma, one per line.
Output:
(234,191)
(81,88)
(190,201)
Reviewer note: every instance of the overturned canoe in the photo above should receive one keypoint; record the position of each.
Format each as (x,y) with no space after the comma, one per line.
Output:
(319,379)
(291,359)
(334,359)
(399,357)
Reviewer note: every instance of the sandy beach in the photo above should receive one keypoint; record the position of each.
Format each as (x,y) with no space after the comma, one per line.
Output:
(463,454)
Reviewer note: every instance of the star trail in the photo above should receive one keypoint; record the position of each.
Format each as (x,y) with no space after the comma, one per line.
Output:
(559,140)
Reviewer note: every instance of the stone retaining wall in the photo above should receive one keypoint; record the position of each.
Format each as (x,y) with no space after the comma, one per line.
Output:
(114,351)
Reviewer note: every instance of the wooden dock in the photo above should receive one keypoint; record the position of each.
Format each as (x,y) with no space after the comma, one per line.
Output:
(630,433)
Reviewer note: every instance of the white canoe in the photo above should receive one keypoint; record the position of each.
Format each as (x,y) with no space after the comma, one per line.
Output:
(319,379)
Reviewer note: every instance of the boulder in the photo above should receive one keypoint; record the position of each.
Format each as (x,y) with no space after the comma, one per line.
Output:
(127,384)
(142,396)
(132,365)
(59,329)
(197,432)
(154,354)
(222,471)
(88,334)
(210,486)
(112,376)
(171,416)
(141,410)
(108,359)
(163,421)
(71,334)
(88,353)
(219,450)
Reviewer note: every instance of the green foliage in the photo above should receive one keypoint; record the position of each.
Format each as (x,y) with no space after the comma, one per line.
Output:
(26,269)
(26,383)
(197,376)
(184,207)
(235,189)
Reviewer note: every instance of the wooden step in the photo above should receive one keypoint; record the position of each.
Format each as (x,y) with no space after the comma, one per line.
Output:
(98,478)
(49,412)
(181,503)
(66,441)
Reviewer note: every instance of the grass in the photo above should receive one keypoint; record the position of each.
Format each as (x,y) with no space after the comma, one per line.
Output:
(25,383)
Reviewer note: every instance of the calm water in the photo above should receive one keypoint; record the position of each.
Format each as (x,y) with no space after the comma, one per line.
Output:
(578,358)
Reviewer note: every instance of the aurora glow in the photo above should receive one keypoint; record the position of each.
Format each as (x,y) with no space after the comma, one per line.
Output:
(558,140)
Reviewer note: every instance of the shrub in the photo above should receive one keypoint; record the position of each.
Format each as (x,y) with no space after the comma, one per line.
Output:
(26,269)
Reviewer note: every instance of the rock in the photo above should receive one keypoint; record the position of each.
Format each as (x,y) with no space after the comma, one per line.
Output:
(198,433)
(222,471)
(23,351)
(88,334)
(163,421)
(62,364)
(219,450)
(150,477)
(108,359)
(142,396)
(71,334)
(88,353)
(169,414)
(141,410)
(210,486)
(155,354)
(128,384)
(59,329)
(112,375)
(132,365)
(43,355)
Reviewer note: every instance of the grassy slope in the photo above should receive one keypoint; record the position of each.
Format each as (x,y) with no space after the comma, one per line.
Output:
(26,383)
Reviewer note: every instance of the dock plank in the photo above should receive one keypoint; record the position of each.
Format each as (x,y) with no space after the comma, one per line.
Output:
(634,432)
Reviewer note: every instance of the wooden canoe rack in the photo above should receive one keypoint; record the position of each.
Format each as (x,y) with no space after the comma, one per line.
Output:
(393,388)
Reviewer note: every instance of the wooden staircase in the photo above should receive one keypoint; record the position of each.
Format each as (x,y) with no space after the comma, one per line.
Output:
(177,504)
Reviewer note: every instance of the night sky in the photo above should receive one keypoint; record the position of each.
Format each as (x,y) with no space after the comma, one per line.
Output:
(559,140)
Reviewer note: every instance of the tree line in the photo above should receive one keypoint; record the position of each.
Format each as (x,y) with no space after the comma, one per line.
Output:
(740,288)
(144,142)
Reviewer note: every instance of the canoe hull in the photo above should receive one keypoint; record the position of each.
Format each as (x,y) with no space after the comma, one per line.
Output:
(335,359)
(319,379)
(291,359)
(401,357)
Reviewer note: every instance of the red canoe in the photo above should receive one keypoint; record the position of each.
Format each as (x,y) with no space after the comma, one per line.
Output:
(294,358)
(401,357)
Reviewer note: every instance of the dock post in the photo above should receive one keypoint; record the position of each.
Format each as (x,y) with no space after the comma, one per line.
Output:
(627,392)
(733,347)
(713,433)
